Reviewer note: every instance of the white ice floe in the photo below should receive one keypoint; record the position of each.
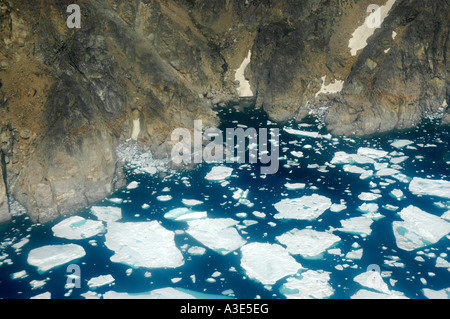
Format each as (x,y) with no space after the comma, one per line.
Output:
(431,187)
(401,143)
(294,186)
(436,294)
(368,196)
(397,193)
(219,173)
(345,158)
(107,213)
(244,88)
(418,228)
(191,202)
(372,280)
(50,256)
(369,294)
(133,185)
(333,87)
(77,227)
(374,20)
(387,172)
(355,254)
(164,198)
(218,234)
(183,214)
(308,243)
(304,208)
(143,244)
(372,153)
(336,208)
(268,263)
(368,208)
(100,281)
(310,284)
(359,225)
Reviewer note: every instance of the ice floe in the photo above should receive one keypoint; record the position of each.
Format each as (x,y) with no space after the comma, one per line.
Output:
(418,228)
(304,208)
(308,243)
(359,225)
(219,173)
(310,284)
(218,234)
(422,186)
(401,143)
(77,227)
(143,244)
(107,213)
(100,281)
(50,256)
(184,213)
(268,263)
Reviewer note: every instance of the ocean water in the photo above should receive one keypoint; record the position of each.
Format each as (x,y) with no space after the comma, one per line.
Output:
(330,273)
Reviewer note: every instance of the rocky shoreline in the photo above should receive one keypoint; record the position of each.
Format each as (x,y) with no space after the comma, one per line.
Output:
(137,70)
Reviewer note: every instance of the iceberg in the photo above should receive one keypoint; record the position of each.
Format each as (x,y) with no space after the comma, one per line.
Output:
(418,229)
(143,244)
(77,227)
(308,285)
(268,263)
(308,243)
(219,173)
(50,256)
(218,234)
(422,186)
(303,208)
(107,213)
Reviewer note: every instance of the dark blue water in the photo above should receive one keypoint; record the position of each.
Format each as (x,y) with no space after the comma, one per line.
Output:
(428,157)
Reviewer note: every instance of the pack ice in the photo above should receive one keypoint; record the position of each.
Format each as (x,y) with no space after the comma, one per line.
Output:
(310,284)
(50,256)
(143,244)
(418,229)
(304,208)
(268,263)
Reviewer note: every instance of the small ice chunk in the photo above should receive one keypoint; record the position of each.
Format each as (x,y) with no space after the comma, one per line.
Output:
(307,242)
(344,158)
(303,208)
(422,186)
(107,213)
(196,250)
(143,244)
(354,254)
(372,153)
(219,173)
(372,280)
(268,263)
(310,284)
(336,208)
(164,198)
(50,256)
(396,193)
(297,153)
(387,172)
(368,208)
(77,227)
(418,228)
(259,214)
(99,281)
(218,234)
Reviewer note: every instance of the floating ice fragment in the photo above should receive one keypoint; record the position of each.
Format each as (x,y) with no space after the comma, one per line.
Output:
(191,202)
(418,228)
(372,280)
(294,186)
(307,242)
(133,185)
(218,234)
(370,152)
(184,213)
(422,186)
(77,227)
(100,281)
(304,208)
(367,294)
(107,213)
(219,173)
(344,158)
(401,143)
(143,244)
(50,256)
(367,196)
(357,225)
(267,263)
(164,198)
(308,285)
(436,294)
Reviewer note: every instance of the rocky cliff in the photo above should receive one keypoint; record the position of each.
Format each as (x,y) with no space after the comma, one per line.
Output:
(138,69)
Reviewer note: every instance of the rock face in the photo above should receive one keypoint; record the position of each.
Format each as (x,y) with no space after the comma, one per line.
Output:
(68,96)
